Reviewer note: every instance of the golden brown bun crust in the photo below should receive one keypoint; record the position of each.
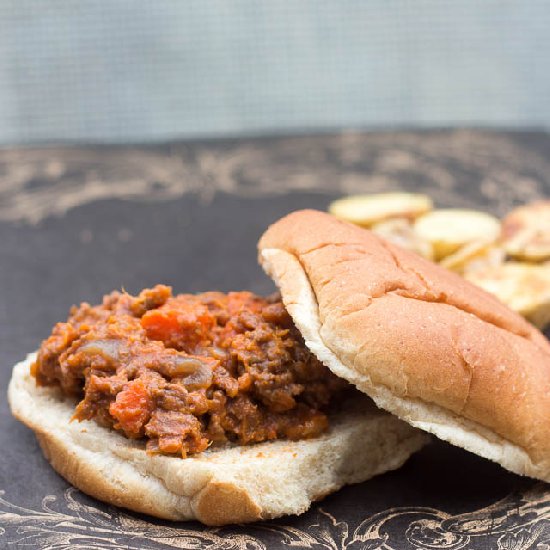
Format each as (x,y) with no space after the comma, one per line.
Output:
(425,335)
(230,485)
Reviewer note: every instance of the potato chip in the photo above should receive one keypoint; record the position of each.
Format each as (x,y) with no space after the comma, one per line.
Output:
(473,256)
(450,229)
(366,210)
(401,232)
(523,287)
(526,232)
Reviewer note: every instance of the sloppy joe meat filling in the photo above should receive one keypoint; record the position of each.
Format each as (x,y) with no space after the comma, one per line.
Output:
(186,371)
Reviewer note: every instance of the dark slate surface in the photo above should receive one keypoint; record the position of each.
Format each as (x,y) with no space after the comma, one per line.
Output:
(195,226)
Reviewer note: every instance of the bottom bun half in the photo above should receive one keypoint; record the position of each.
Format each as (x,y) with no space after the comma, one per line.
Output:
(234,484)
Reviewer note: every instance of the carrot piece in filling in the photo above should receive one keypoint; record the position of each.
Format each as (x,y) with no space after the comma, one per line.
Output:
(132,408)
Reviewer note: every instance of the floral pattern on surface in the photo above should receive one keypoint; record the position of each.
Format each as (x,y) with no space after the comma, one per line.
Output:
(521,521)
(38,183)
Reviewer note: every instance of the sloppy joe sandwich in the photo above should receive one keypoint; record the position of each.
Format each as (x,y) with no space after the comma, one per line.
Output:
(426,345)
(205,407)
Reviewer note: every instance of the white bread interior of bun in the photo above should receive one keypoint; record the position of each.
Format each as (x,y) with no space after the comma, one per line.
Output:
(235,484)
(289,269)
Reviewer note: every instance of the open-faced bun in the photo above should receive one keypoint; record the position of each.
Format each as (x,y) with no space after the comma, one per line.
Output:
(235,484)
(425,344)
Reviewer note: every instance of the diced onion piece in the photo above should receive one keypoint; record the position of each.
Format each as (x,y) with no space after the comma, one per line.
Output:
(200,379)
(366,210)
(183,366)
(526,232)
(450,229)
(108,349)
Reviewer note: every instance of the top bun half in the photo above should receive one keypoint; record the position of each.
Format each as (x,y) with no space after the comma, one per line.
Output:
(425,344)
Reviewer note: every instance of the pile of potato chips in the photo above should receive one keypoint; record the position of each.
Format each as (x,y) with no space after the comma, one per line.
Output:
(509,258)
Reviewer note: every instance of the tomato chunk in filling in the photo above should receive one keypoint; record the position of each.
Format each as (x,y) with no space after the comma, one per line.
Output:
(187,371)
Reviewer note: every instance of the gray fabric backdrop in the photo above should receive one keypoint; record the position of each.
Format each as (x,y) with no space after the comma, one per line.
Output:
(124,70)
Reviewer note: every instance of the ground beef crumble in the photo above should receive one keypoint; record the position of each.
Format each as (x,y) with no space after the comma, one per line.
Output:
(186,371)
